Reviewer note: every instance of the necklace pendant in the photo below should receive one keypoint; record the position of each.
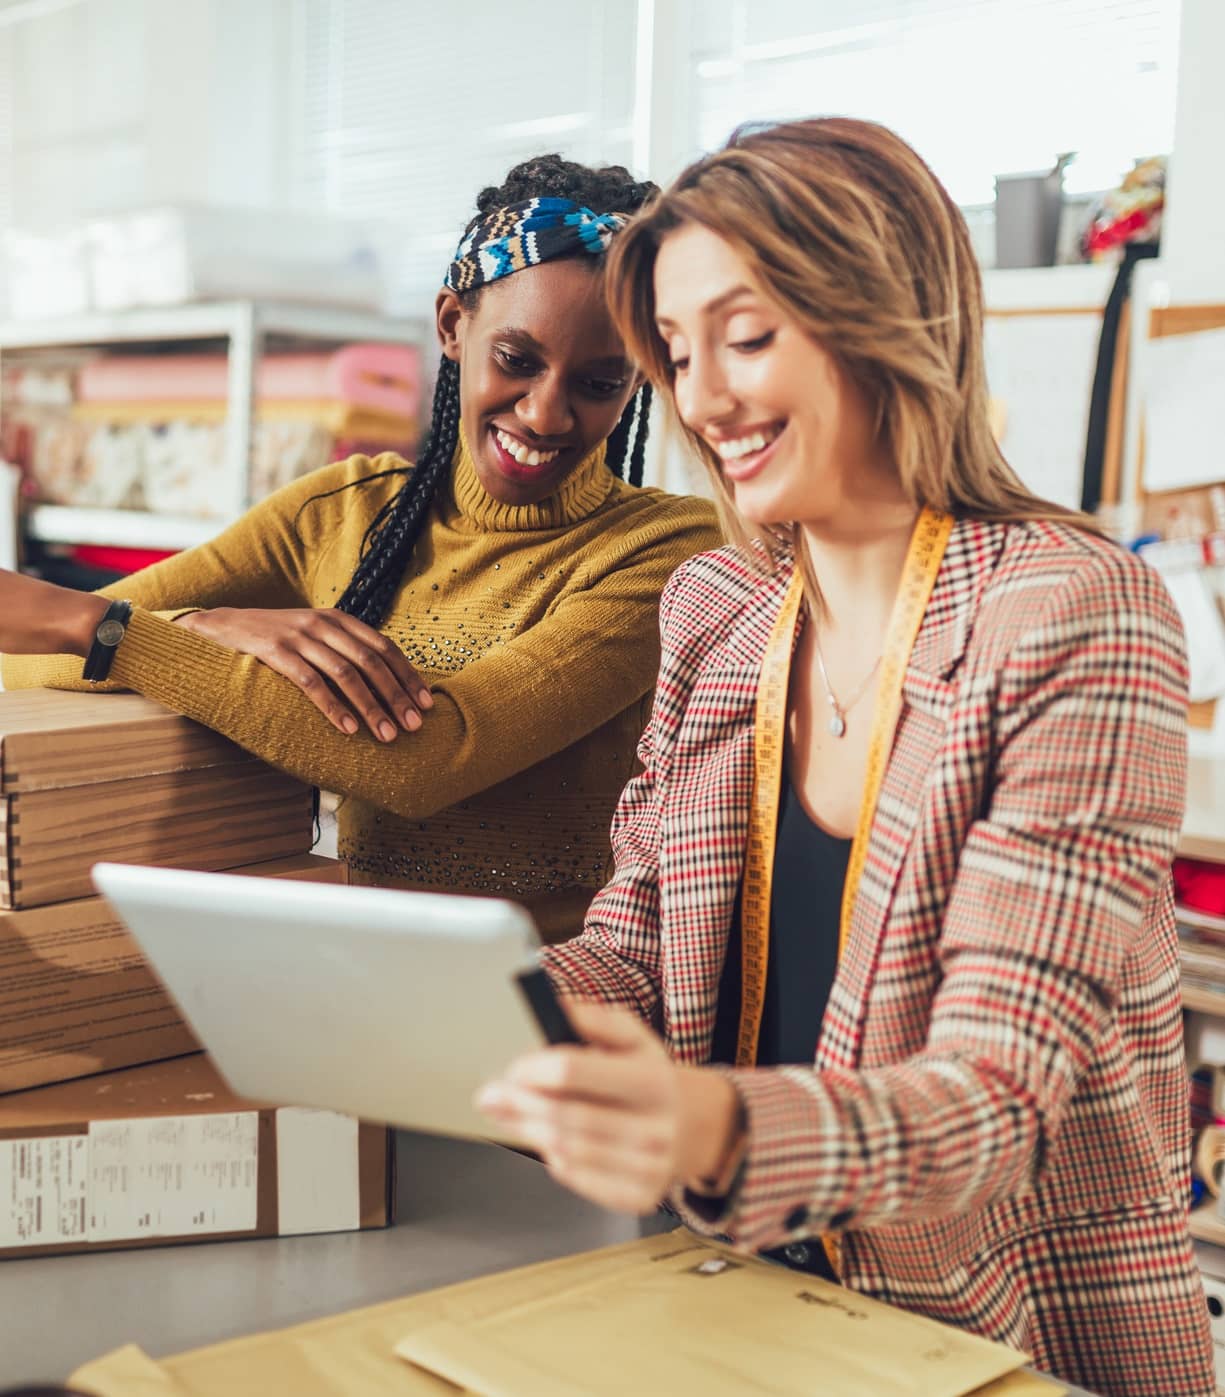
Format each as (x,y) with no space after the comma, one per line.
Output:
(837,723)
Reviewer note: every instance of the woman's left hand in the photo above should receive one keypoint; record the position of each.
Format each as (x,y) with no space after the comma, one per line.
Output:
(39,618)
(616,1120)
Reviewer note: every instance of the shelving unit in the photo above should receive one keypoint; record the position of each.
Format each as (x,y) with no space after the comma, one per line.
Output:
(1203,830)
(118,528)
(246,328)
(1206,1225)
(1203,837)
(1204,1001)
(1070,290)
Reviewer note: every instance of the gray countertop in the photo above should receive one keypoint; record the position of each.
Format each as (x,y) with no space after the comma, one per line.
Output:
(465,1209)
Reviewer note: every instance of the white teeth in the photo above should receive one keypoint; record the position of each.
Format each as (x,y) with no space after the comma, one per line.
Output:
(744,446)
(524,454)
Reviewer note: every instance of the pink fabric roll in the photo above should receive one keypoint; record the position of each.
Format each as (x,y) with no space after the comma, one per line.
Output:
(384,377)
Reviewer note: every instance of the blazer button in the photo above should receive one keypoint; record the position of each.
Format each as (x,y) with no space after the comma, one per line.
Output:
(796,1253)
(796,1218)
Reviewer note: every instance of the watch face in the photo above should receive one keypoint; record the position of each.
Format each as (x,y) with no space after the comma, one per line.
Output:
(110,633)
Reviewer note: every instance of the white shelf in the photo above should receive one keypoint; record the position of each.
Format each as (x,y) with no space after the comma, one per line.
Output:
(1206,1225)
(119,528)
(208,320)
(1203,1001)
(246,327)
(1082,287)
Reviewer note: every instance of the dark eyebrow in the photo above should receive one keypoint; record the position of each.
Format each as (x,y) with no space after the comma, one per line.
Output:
(528,341)
(715,304)
(616,363)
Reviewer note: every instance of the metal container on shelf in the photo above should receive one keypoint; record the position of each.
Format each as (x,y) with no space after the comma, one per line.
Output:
(1027,213)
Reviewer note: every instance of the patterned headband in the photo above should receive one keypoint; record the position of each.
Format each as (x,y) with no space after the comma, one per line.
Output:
(524,235)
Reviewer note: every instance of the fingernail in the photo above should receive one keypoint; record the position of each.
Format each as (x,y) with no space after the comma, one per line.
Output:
(349,723)
(425,699)
(412,719)
(386,731)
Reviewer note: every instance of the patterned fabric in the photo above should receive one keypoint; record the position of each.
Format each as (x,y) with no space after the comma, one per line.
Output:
(524,235)
(997,1118)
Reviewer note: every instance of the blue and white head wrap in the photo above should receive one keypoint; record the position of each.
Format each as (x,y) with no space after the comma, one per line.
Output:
(524,235)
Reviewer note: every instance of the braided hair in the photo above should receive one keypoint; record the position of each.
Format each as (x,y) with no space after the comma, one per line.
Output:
(392,534)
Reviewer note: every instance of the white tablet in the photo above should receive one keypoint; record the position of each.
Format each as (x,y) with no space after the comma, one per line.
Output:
(391,1006)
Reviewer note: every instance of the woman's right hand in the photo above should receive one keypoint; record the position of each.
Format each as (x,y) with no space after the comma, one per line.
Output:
(331,657)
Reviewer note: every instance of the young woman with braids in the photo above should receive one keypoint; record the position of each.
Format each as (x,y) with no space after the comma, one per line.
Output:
(489,614)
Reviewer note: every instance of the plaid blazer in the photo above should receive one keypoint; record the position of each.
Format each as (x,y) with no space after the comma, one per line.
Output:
(997,1120)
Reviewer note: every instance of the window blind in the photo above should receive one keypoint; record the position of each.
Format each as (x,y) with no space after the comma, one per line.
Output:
(401,112)
(979,87)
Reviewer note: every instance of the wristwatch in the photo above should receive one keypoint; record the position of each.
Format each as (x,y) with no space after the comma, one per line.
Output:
(111,630)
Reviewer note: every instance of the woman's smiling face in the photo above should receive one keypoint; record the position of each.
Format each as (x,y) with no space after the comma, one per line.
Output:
(795,438)
(543,375)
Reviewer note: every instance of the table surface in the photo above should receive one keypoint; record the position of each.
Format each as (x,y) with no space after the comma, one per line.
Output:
(465,1209)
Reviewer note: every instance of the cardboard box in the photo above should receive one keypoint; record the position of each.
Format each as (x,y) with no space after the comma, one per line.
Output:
(90,777)
(167,1153)
(76,996)
(50,739)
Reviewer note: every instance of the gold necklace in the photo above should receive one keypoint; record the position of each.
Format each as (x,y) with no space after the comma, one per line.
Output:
(837,719)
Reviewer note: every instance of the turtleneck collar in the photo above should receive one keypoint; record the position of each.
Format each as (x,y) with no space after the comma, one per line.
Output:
(582,492)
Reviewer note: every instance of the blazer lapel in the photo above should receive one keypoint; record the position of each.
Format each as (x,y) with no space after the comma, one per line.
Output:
(705,818)
(927,694)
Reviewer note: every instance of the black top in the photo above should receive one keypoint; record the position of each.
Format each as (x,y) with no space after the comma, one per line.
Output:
(805,911)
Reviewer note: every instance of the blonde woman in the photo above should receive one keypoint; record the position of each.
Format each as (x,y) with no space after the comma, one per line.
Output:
(894,880)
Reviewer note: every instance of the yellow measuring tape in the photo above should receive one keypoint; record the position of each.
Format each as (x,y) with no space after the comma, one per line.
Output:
(923,558)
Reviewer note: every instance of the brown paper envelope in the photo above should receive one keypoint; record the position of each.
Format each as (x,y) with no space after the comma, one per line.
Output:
(1022,1385)
(345,1355)
(354,1354)
(127,1372)
(677,1314)
(350,1355)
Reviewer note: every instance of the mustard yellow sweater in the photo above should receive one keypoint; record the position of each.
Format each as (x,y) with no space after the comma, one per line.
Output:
(536,627)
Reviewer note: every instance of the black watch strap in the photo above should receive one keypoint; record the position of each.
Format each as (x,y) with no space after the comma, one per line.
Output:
(111,630)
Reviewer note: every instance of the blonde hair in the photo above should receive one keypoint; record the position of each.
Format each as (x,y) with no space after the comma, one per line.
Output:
(852,236)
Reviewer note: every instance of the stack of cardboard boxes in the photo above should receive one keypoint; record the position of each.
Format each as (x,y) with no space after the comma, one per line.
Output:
(115,1129)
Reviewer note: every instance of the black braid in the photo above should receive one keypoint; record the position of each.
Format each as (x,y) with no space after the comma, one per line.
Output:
(618,439)
(388,544)
(389,541)
(635,421)
(638,455)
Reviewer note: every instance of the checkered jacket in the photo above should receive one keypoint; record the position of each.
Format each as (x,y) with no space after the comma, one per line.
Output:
(997,1119)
